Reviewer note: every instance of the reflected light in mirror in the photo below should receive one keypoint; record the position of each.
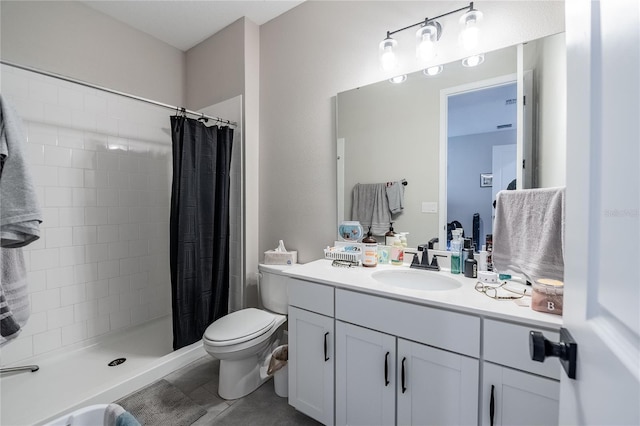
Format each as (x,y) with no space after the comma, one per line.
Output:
(433,71)
(473,61)
(398,79)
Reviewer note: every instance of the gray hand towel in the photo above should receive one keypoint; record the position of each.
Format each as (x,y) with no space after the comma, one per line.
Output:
(14,296)
(395,196)
(20,215)
(528,233)
(369,206)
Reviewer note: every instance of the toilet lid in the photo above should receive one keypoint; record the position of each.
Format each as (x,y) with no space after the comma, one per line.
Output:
(240,326)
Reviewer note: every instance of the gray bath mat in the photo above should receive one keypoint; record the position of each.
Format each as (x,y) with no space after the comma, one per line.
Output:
(161,403)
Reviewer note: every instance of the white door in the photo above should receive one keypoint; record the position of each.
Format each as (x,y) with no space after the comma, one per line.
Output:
(602,279)
(436,387)
(512,397)
(311,364)
(365,376)
(503,168)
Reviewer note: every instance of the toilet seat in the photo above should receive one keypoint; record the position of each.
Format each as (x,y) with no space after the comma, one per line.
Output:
(238,327)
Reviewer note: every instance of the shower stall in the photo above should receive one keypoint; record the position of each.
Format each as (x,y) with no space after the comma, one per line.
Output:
(99,281)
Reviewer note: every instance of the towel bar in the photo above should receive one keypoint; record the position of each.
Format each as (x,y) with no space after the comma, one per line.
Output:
(33,368)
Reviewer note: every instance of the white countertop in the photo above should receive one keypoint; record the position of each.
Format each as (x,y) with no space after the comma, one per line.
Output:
(464,299)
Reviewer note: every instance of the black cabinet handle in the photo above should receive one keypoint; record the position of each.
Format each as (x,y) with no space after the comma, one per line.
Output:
(492,406)
(404,388)
(326,356)
(386,369)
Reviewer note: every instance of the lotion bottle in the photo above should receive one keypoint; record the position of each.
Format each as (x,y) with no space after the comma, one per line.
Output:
(397,252)
(370,250)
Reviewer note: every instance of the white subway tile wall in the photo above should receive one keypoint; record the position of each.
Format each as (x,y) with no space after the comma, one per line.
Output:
(102,167)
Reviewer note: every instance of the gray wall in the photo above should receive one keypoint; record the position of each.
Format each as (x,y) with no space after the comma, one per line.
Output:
(72,39)
(319,49)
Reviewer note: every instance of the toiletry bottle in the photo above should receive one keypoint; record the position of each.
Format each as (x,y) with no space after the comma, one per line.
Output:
(471,266)
(466,248)
(482,260)
(397,252)
(370,250)
(390,236)
(455,254)
(403,239)
(489,251)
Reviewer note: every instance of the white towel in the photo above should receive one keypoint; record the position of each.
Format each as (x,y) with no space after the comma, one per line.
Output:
(528,233)
(14,296)
(369,206)
(20,215)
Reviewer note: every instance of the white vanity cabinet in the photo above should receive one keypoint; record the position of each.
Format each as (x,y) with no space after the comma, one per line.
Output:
(390,352)
(311,349)
(516,390)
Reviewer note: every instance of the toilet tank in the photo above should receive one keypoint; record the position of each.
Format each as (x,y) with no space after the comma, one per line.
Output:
(272,285)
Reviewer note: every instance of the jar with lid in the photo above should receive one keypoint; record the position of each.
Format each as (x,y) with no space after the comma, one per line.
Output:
(547,296)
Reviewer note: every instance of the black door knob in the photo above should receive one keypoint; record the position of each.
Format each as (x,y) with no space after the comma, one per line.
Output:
(567,350)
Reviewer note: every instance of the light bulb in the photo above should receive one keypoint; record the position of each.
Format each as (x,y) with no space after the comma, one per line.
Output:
(426,37)
(470,34)
(386,54)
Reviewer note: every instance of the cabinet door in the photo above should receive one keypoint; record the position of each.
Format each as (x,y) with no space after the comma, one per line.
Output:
(518,398)
(365,376)
(311,363)
(436,387)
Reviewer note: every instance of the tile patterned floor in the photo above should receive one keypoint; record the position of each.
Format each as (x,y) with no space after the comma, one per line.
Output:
(199,381)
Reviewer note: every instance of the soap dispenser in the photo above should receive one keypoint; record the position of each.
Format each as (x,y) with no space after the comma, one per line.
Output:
(370,250)
(403,239)
(390,236)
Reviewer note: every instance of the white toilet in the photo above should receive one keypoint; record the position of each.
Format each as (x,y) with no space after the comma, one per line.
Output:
(243,340)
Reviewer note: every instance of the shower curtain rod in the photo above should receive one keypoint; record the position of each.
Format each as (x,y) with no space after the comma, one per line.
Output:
(119,93)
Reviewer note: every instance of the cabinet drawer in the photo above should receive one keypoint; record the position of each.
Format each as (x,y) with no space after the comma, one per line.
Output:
(311,296)
(508,344)
(435,327)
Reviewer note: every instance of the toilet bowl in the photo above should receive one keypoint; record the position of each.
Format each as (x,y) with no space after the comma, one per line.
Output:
(244,339)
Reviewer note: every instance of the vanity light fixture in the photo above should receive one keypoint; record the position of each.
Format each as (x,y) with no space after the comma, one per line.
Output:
(432,71)
(473,61)
(398,79)
(470,33)
(428,35)
(386,53)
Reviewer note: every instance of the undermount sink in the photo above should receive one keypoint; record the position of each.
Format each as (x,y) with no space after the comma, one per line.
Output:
(416,280)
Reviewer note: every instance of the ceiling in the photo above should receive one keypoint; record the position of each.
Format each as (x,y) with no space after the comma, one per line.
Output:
(185,23)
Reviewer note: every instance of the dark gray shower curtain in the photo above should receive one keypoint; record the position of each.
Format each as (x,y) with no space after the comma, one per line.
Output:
(199,227)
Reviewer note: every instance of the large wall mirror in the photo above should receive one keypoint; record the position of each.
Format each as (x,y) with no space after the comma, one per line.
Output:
(457,138)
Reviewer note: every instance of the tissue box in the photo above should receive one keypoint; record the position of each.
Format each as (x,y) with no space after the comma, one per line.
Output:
(272,257)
